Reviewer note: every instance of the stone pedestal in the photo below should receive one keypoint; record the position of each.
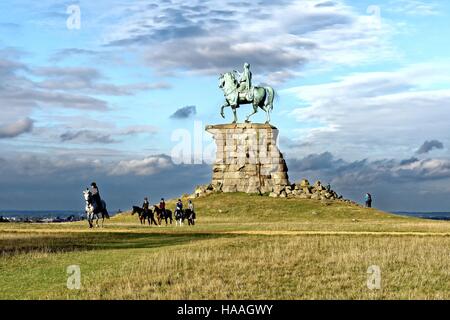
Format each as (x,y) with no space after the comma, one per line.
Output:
(248,159)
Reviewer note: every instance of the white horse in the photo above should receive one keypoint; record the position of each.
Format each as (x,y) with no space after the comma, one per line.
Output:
(89,209)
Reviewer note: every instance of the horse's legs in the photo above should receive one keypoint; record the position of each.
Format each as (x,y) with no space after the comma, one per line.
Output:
(235,113)
(268,115)
(267,107)
(255,110)
(223,107)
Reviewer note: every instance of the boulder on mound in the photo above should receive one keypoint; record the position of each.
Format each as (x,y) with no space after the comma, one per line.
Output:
(301,190)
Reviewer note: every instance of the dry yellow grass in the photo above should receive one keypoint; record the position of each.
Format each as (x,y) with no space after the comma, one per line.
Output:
(310,250)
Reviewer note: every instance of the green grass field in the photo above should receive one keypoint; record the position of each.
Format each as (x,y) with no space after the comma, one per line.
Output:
(243,247)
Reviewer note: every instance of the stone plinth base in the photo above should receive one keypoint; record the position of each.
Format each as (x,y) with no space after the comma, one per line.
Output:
(248,159)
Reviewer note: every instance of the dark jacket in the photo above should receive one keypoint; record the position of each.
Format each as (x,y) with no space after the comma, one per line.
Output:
(96,199)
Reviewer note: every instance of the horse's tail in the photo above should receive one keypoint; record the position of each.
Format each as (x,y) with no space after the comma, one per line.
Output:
(270,98)
(105,212)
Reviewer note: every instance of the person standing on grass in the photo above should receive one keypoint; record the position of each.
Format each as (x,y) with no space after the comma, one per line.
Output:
(368,199)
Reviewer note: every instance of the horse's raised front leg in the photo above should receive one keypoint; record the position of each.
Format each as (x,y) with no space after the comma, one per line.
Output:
(225,104)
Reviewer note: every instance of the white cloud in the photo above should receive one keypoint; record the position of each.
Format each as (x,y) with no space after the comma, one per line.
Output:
(277,38)
(16,128)
(143,167)
(413,7)
(376,114)
(425,169)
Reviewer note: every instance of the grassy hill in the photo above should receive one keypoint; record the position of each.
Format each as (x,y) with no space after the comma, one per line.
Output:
(243,247)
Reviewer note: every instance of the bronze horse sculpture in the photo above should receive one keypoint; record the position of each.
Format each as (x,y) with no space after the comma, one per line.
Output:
(260,97)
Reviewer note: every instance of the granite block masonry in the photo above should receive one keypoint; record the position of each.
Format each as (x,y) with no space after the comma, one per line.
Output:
(248,159)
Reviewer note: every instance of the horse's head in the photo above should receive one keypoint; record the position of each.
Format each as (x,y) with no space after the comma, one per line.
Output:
(227,80)
(134,210)
(87,195)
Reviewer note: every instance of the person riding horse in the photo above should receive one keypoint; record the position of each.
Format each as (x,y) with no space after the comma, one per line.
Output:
(147,212)
(162,206)
(95,206)
(179,213)
(191,213)
(97,201)
(238,90)
(245,82)
(179,206)
(145,205)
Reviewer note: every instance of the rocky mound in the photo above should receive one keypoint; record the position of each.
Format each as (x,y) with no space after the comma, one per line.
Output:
(302,190)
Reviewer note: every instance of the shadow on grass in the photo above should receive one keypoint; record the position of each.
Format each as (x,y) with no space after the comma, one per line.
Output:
(61,243)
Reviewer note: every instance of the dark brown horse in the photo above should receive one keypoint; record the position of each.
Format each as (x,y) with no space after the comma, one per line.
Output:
(160,214)
(190,215)
(144,215)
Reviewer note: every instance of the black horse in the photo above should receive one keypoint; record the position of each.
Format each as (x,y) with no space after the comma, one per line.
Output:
(190,216)
(144,215)
(160,214)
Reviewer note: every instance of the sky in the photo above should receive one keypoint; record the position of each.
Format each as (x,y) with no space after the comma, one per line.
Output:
(116,91)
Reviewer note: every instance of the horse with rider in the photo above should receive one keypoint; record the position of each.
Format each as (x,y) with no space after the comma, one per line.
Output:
(95,206)
(162,213)
(238,90)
